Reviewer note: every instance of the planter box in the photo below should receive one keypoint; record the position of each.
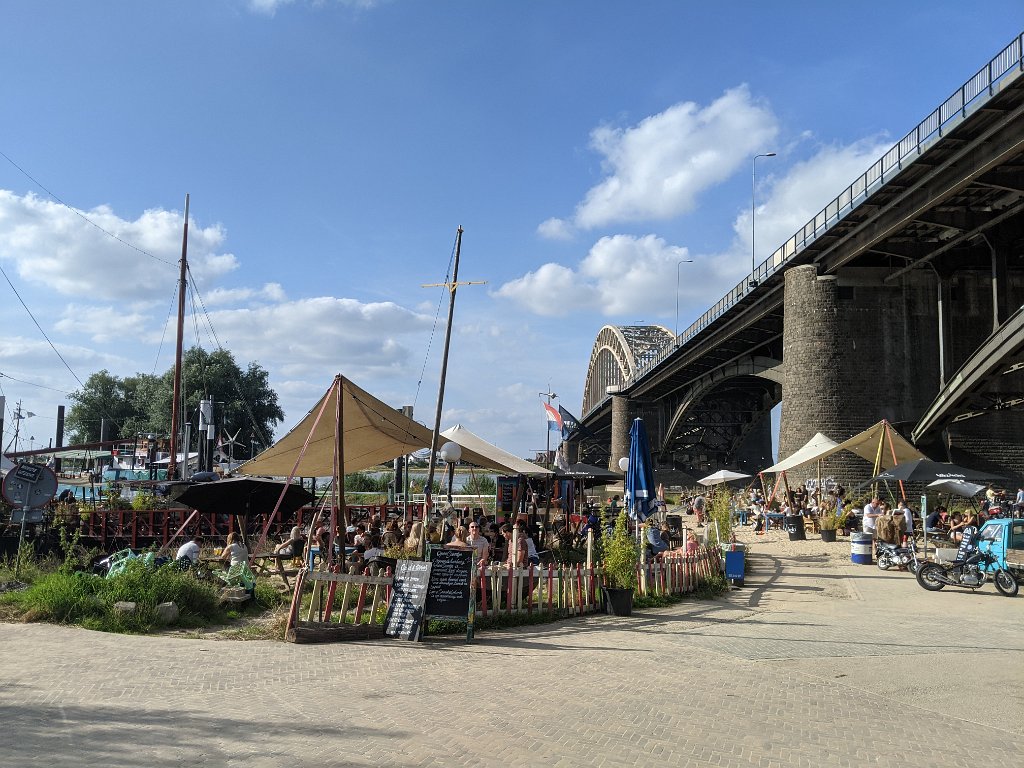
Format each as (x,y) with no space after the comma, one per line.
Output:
(828,535)
(618,602)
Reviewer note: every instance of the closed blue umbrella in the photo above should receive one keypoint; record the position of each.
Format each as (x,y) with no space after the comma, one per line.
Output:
(641,492)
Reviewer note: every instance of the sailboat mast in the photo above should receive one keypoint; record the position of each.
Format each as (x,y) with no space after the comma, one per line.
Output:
(453,286)
(172,466)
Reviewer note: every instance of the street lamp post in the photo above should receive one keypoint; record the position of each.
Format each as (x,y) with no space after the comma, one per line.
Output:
(753,212)
(681,261)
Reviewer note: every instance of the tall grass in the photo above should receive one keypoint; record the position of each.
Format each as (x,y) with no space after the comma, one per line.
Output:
(86,599)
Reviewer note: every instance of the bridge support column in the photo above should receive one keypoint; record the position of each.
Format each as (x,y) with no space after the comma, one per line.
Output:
(623,413)
(812,396)
(943,304)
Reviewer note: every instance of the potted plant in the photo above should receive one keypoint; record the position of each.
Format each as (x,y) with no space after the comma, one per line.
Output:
(621,555)
(829,522)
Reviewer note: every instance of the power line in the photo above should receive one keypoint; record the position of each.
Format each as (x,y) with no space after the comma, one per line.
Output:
(81,215)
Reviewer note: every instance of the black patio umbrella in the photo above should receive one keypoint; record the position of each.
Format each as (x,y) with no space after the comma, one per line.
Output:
(927,471)
(588,474)
(244,496)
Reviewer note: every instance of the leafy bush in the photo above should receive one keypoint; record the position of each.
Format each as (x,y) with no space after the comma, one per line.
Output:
(143,500)
(720,511)
(621,554)
(482,485)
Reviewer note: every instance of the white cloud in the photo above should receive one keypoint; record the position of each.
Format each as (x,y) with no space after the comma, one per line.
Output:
(272,292)
(621,274)
(269,7)
(321,336)
(555,229)
(787,202)
(658,168)
(627,277)
(70,252)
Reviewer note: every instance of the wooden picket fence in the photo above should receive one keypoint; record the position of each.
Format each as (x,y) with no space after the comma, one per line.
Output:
(352,605)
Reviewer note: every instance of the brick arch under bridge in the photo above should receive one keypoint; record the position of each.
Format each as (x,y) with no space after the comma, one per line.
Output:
(723,418)
(618,352)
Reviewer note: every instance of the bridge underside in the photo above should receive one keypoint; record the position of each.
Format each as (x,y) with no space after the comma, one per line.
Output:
(902,279)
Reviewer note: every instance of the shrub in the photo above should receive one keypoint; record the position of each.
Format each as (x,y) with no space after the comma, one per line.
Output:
(621,554)
(720,511)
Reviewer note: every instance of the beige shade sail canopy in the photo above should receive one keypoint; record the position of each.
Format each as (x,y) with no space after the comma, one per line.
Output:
(879,444)
(374,432)
(473,442)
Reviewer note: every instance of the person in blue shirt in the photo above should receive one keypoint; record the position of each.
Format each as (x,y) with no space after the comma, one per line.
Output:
(655,543)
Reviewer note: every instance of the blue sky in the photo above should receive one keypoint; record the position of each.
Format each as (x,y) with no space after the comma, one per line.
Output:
(331,149)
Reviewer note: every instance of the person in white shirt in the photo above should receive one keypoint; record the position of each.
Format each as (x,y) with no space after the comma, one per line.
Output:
(235,552)
(190,549)
(908,516)
(872,510)
(479,542)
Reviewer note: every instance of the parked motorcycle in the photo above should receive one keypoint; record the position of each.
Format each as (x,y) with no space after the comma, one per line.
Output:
(969,572)
(889,555)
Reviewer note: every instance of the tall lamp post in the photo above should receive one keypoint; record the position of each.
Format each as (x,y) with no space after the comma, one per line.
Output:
(681,261)
(753,212)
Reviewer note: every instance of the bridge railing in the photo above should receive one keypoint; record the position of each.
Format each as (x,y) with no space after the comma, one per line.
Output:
(964,101)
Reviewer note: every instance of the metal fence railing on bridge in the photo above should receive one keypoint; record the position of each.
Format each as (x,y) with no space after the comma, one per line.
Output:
(966,100)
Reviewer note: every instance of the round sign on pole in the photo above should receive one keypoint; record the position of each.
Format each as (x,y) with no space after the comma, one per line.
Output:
(28,486)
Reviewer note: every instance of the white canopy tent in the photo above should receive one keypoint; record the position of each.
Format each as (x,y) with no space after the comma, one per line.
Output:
(472,442)
(815,448)
(722,476)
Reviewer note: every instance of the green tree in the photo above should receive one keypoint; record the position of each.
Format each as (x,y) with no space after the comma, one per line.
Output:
(142,403)
(104,396)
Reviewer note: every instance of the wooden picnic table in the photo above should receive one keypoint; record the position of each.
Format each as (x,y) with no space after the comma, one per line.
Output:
(271,563)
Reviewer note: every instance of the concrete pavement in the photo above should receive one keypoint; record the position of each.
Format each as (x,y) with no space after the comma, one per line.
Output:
(811,664)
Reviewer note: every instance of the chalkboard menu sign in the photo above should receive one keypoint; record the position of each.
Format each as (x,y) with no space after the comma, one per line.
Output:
(507,494)
(409,591)
(451,580)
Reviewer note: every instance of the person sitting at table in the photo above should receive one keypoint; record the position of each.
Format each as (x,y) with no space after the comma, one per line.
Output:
(234,552)
(294,545)
(414,541)
(458,538)
(692,543)
(655,543)
(361,536)
(189,551)
(517,556)
(931,523)
(479,542)
(374,550)
(956,526)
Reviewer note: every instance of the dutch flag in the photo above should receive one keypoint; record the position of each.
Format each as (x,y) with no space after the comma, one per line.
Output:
(554,419)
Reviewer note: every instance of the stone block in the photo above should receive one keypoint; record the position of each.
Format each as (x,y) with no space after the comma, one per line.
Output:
(167,613)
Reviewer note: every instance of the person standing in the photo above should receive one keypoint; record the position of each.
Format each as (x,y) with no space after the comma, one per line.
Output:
(908,518)
(872,511)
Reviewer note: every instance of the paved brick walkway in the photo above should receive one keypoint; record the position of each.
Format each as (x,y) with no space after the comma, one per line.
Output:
(809,665)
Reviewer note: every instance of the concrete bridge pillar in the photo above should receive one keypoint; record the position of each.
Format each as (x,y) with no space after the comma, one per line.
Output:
(857,349)
(812,391)
(623,413)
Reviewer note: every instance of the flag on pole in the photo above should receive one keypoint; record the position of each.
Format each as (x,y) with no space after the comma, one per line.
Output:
(569,423)
(554,418)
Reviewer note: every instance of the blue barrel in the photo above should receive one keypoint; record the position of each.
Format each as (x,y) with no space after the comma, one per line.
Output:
(861,546)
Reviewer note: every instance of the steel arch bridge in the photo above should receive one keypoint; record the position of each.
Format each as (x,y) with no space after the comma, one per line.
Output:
(619,352)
